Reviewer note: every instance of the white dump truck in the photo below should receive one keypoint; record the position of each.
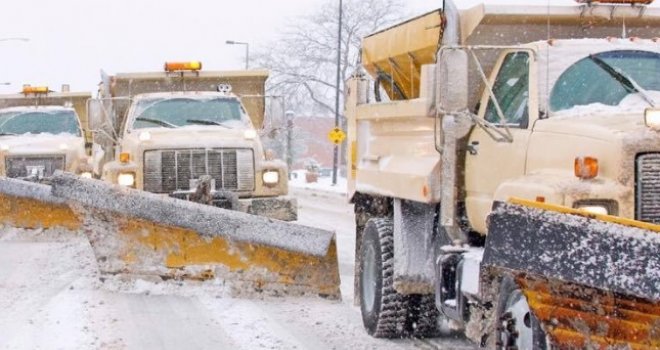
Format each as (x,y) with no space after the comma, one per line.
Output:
(42,131)
(192,134)
(506,176)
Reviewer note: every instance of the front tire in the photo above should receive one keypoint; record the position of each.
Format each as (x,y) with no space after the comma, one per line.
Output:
(516,326)
(384,311)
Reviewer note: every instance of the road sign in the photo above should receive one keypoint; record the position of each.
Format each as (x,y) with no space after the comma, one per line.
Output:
(336,136)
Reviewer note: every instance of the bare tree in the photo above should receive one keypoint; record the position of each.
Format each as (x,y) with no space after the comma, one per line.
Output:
(303,62)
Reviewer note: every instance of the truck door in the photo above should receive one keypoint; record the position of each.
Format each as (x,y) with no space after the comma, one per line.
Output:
(489,162)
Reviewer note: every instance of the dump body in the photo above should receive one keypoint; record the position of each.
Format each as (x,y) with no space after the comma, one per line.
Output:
(214,137)
(547,104)
(44,133)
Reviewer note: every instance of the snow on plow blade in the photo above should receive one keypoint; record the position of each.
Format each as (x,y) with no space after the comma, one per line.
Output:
(139,233)
(592,281)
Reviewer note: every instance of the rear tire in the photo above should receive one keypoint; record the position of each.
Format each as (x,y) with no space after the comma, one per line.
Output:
(424,322)
(515,325)
(384,311)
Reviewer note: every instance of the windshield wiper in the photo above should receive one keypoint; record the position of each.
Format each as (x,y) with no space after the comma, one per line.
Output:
(207,122)
(157,122)
(627,82)
(7,134)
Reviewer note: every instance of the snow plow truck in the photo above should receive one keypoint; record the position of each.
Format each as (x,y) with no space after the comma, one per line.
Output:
(186,191)
(505,171)
(42,131)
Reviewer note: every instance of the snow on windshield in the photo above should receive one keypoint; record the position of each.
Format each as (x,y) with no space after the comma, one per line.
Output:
(608,79)
(36,121)
(183,111)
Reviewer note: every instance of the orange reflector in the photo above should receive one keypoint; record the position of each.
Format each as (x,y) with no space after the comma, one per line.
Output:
(586,167)
(540,199)
(124,157)
(180,66)
(27,89)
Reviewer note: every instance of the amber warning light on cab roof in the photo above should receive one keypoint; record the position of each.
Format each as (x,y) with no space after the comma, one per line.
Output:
(183,66)
(27,89)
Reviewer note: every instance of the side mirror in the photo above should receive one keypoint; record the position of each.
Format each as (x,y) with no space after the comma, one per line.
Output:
(452,82)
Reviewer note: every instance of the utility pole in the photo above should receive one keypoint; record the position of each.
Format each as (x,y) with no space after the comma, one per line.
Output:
(247,51)
(335,160)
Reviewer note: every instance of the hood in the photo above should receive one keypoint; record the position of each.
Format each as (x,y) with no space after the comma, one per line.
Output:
(188,137)
(600,126)
(42,144)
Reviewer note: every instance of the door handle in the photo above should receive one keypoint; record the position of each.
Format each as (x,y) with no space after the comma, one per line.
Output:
(473,148)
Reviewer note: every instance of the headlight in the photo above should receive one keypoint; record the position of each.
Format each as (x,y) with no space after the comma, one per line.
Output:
(595,209)
(126,179)
(271,177)
(144,136)
(250,134)
(86,175)
(64,146)
(4,147)
(652,118)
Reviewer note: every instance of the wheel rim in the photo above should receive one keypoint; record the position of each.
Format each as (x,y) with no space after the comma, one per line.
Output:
(517,322)
(369,271)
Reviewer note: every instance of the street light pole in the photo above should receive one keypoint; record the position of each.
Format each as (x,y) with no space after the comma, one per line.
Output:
(247,51)
(14,39)
(335,160)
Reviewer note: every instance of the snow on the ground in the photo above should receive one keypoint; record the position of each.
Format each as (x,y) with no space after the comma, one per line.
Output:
(323,183)
(52,296)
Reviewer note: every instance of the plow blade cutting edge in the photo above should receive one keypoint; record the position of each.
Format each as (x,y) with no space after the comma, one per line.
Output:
(139,233)
(592,281)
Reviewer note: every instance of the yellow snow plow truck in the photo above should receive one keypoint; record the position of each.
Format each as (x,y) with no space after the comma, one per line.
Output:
(42,131)
(505,174)
(150,234)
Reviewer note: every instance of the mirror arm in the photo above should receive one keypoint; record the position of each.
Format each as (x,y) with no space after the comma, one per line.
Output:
(507,136)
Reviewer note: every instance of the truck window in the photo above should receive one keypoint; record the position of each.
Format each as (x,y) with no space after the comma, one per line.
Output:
(511,89)
(39,122)
(586,83)
(182,111)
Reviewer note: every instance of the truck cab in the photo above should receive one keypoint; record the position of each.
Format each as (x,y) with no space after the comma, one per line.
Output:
(193,138)
(41,133)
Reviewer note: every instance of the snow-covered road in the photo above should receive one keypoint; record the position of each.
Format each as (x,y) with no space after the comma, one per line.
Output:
(52,297)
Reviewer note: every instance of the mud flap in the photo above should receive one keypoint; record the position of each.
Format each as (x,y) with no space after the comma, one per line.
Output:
(139,233)
(592,281)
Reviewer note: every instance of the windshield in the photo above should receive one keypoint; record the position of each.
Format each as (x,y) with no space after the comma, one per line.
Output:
(39,122)
(177,112)
(586,82)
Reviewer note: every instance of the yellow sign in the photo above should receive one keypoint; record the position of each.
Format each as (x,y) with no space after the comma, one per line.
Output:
(336,136)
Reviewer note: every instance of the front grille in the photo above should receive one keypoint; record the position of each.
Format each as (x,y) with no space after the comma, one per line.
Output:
(166,171)
(33,165)
(647,196)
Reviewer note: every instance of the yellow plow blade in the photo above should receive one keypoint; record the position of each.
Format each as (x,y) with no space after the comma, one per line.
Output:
(592,281)
(138,233)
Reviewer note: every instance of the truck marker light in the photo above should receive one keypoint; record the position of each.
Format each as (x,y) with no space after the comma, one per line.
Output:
(250,134)
(586,167)
(540,199)
(183,66)
(144,136)
(124,157)
(27,89)
(652,118)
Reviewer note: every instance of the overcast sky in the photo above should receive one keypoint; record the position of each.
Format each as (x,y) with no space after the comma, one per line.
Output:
(71,40)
